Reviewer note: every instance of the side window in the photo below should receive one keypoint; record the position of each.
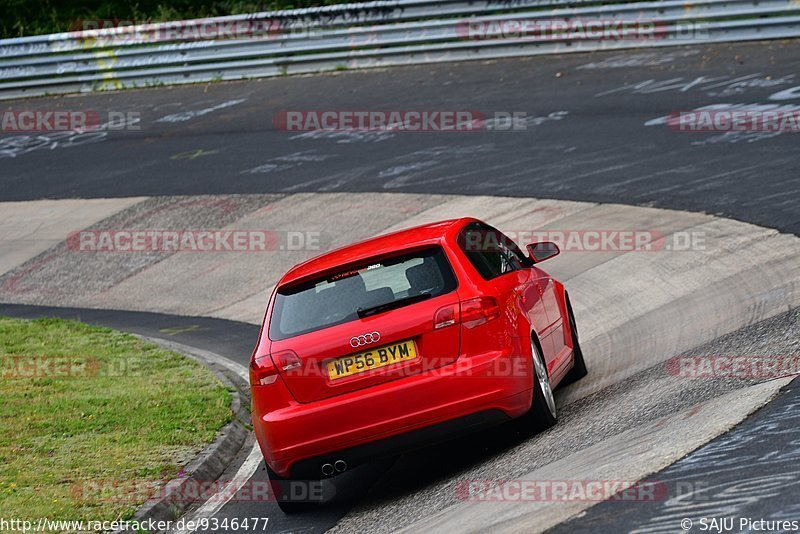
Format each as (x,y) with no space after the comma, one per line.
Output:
(490,251)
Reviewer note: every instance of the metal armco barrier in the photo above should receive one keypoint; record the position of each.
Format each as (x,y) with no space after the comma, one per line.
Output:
(372,34)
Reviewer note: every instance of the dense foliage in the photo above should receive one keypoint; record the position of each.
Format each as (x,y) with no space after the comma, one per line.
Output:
(29,17)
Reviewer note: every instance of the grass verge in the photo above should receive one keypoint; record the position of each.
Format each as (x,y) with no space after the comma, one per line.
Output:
(93,420)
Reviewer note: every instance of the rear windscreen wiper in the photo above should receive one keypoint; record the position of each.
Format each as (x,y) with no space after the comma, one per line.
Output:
(372,310)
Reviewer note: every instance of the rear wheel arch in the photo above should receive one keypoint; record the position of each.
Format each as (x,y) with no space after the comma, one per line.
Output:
(579,369)
(570,315)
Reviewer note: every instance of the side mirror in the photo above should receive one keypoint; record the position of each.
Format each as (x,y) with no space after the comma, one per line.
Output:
(543,250)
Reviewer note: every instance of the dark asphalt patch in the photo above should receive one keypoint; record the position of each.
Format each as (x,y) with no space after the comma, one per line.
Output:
(586,136)
(231,339)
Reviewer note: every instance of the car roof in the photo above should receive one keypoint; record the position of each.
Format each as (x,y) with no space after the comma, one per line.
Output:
(382,245)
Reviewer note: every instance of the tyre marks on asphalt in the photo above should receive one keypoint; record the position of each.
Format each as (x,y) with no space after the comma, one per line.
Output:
(30,228)
(69,274)
(233,285)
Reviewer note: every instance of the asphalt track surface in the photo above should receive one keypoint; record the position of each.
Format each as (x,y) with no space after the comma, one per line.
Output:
(586,139)
(763,446)
(748,474)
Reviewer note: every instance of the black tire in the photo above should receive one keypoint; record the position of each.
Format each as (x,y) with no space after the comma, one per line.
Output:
(579,369)
(292,495)
(543,413)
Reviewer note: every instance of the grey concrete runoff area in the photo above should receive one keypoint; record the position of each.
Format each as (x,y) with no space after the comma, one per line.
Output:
(721,278)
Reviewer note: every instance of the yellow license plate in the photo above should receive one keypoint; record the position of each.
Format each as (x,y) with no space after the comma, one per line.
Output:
(371,359)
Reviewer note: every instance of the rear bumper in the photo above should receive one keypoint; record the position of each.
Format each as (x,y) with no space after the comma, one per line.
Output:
(309,468)
(471,393)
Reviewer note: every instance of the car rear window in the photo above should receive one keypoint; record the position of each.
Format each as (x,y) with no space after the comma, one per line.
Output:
(338,298)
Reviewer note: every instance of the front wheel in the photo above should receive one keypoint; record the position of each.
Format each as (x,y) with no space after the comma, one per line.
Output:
(542,414)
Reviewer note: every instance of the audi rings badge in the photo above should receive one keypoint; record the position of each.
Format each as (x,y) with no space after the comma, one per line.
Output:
(365,339)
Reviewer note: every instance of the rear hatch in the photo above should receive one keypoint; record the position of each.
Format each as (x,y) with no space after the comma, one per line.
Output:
(370,323)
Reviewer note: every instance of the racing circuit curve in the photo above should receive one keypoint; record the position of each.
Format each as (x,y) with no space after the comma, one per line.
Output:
(603,155)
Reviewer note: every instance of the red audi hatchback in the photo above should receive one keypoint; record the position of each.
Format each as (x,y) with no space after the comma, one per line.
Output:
(404,340)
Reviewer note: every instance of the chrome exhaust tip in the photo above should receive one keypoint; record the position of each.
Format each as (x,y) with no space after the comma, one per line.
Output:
(327,469)
(340,466)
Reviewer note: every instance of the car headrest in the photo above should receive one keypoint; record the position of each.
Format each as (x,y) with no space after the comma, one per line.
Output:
(379,296)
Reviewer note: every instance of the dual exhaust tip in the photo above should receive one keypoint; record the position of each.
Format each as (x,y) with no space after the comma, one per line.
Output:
(339,466)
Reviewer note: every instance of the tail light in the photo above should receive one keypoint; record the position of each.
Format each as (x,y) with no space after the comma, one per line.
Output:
(478,311)
(287,360)
(444,317)
(263,371)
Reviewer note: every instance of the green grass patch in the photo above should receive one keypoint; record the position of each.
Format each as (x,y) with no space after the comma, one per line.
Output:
(91,419)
